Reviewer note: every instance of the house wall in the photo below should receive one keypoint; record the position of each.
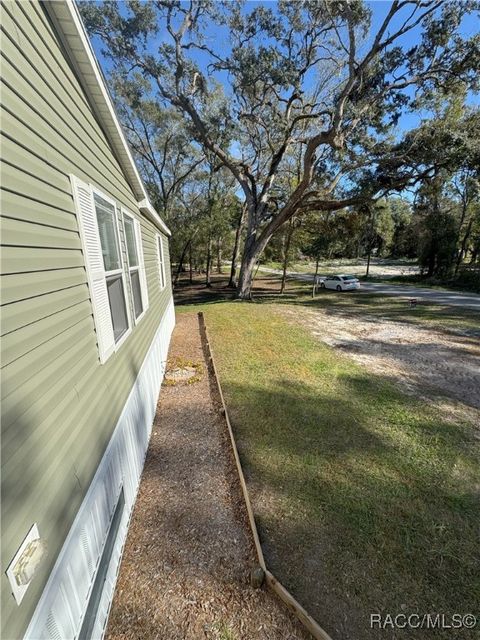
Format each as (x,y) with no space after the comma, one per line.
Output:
(59,405)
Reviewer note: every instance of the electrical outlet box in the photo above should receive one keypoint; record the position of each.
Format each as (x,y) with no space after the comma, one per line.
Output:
(25,563)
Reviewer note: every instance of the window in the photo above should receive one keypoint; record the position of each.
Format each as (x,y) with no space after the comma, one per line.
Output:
(99,232)
(161,262)
(136,266)
(108,232)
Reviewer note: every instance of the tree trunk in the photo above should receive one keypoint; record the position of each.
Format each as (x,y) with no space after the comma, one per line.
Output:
(251,254)
(431,264)
(190,263)
(252,251)
(432,256)
(463,247)
(368,260)
(286,254)
(369,240)
(219,256)
(232,283)
(180,264)
(314,287)
(244,285)
(208,269)
(249,257)
(254,247)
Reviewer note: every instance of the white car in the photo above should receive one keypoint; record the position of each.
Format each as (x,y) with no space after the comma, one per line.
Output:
(340,282)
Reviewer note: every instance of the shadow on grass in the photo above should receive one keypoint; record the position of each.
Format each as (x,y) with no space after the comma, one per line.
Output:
(365,502)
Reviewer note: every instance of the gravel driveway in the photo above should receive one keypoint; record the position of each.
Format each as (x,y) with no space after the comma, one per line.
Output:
(447,298)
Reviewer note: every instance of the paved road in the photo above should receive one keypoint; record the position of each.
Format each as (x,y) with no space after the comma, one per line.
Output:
(452,298)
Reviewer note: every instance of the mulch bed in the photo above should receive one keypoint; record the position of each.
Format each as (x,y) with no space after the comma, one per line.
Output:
(188,555)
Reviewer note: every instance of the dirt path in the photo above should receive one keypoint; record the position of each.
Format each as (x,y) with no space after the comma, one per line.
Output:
(434,364)
(185,569)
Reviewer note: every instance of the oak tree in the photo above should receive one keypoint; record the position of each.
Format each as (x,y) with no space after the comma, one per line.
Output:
(309,76)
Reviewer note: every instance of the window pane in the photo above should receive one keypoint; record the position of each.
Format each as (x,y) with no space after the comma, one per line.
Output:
(118,309)
(131,244)
(108,238)
(137,292)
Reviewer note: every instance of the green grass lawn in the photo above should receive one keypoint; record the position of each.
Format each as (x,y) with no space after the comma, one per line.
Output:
(367,499)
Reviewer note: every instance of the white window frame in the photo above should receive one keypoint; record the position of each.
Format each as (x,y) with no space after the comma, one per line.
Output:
(161,262)
(101,194)
(139,267)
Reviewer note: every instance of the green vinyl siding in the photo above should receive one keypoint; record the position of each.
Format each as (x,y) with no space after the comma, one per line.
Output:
(17,233)
(18,343)
(32,310)
(59,405)
(23,286)
(26,259)
(32,210)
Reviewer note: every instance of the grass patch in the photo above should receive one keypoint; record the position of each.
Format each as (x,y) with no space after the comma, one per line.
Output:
(367,500)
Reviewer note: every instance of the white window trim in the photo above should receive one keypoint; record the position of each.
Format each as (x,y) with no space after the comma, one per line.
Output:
(161,262)
(100,193)
(138,240)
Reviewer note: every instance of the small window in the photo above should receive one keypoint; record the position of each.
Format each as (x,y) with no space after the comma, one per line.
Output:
(131,241)
(136,267)
(161,262)
(108,232)
(133,265)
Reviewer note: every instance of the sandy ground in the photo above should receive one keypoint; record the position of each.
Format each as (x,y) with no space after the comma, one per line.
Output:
(443,367)
(185,569)
(378,268)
